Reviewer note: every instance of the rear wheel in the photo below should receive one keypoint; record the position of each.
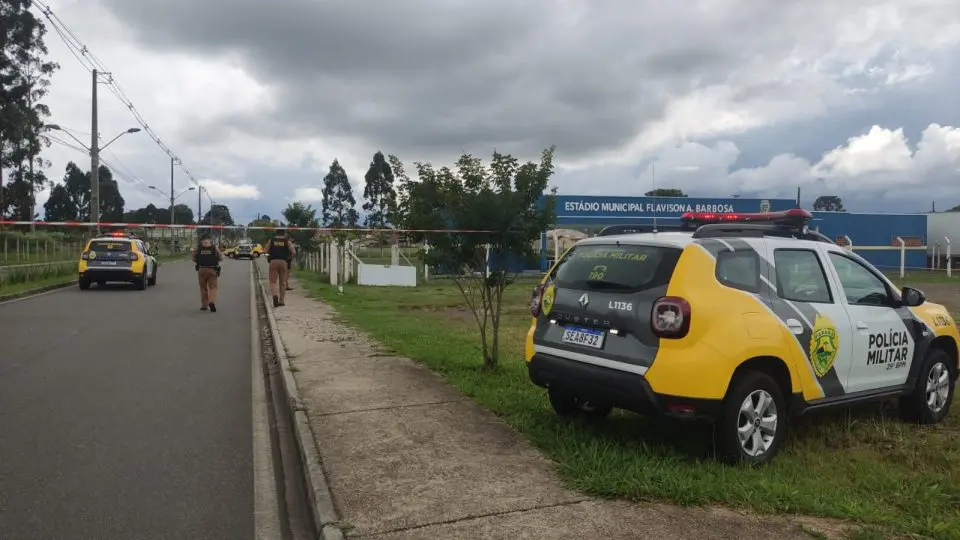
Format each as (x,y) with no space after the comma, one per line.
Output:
(753,421)
(930,400)
(84,284)
(153,278)
(565,404)
(140,283)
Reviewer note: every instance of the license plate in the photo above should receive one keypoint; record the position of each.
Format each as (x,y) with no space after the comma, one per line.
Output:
(587,337)
(108,263)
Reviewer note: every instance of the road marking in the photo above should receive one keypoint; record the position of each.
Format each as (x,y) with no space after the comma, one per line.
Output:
(266,509)
(32,296)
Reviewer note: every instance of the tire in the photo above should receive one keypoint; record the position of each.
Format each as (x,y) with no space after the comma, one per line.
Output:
(566,405)
(140,284)
(153,279)
(84,284)
(764,433)
(929,402)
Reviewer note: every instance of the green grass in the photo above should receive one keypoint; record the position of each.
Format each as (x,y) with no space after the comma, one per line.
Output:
(861,465)
(918,277)
(26,286)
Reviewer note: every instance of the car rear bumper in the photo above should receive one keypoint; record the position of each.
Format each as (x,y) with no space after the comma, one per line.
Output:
(621,389)
(111,274)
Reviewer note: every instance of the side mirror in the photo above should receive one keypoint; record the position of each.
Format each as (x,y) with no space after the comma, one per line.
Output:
(911,297)
(153,252)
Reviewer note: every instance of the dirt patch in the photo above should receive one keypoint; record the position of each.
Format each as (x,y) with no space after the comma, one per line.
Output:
(947,294)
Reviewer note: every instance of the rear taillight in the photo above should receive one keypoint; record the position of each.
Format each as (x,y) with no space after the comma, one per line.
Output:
(536,300)
(85,255)
(670,317)
(133,256)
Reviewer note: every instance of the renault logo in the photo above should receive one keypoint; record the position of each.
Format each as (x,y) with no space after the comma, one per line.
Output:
(584,300)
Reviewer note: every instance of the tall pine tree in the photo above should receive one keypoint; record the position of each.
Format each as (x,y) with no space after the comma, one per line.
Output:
(24,78)
(338,201)
(379,196)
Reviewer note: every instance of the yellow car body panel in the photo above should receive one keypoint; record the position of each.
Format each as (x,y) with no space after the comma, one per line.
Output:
(728,328)
(938,318)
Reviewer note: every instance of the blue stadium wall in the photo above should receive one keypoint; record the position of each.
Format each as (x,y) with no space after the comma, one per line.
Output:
(873,235)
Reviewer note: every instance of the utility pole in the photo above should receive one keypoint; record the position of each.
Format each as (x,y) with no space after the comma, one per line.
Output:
(171,190)
(199,203)
(94,162)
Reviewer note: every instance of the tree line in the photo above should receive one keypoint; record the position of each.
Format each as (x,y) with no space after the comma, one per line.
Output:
(462,212)
(70,201)
(24,82)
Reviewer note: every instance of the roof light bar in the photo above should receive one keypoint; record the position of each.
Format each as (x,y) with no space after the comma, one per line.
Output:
(794,216)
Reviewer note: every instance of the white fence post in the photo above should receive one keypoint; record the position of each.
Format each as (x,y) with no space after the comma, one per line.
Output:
(849,242)
(487,262)
(949,264)
(903,256)
(426,265)
(935,260)
(334,264)
(556,245)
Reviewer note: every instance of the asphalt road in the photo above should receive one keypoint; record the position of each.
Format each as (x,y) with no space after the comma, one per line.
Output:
(126,414)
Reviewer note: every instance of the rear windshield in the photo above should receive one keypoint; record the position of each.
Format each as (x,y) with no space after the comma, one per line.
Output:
(107,245)
(616,267)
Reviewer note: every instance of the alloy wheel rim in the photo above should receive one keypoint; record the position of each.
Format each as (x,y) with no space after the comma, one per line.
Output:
(757,423)
(938,387)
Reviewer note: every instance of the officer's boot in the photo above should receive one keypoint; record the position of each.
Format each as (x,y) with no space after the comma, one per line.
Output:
(276,301)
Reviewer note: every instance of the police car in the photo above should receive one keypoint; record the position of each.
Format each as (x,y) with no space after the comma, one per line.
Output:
(117,258)
(743,320)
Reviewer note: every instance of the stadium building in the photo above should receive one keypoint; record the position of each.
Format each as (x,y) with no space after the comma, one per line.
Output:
(872,236)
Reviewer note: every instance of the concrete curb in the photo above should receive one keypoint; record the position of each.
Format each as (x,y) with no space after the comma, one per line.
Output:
(38,290)
(325,515)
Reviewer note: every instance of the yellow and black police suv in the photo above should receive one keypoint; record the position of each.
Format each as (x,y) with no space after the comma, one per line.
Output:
(117,258)
(743,320)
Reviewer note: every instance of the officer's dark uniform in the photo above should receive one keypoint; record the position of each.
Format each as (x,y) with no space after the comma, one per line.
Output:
(207,264)
(278,253)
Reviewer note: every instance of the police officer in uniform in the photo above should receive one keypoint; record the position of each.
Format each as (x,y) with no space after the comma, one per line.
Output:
(280,250)
(206,259)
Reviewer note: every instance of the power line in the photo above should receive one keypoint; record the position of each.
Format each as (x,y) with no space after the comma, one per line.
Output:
(88,60)
(134,182)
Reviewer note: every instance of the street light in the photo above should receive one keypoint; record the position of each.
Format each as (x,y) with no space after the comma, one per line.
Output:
(172,198)
(94,159)
(56,127)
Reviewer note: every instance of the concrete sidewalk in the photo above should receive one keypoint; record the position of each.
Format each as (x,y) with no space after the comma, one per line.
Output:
(406,456)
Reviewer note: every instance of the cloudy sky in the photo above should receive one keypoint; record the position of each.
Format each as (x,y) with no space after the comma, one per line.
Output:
(855,98)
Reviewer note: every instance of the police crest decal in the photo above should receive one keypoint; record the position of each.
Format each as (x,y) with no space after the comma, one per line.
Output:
(548,294)
(824,343)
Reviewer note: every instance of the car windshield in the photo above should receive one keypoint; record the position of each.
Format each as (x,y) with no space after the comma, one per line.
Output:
(616,267)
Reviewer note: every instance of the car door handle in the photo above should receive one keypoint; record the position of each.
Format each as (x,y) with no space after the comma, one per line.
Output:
(794,326)
(862,325)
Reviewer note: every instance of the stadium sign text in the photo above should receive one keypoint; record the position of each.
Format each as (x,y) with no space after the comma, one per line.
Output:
(646,207)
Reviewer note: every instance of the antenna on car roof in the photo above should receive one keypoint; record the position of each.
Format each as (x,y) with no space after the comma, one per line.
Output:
(798,197)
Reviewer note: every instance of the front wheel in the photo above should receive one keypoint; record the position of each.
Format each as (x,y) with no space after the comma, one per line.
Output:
(930,400)
(567,405)
(753,420)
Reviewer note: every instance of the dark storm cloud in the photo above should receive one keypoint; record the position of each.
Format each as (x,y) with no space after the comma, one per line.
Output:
(433,77)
